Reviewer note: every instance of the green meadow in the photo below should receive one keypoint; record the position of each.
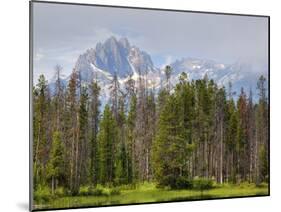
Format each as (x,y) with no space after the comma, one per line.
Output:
(147,193)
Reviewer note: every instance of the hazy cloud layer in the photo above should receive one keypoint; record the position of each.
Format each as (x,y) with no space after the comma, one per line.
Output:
(62,32)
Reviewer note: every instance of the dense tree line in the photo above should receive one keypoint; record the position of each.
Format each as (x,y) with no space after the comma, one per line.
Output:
(194,129)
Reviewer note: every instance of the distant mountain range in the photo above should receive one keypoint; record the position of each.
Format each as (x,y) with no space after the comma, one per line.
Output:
(123,59)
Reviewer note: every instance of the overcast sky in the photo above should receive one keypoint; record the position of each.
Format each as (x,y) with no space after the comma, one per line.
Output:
(63,32)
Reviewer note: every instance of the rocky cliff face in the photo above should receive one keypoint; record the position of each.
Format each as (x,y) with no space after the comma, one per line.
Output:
(113,56)
(120,58)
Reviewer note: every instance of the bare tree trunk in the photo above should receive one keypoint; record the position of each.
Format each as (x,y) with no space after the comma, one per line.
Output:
(221,152)
(147,165)
(53,185)
(76,158)
(72,159)
(256,160)
(36,152)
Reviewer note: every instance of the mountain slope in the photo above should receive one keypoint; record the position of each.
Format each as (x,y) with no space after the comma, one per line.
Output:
(113,56)
(125,60)
(239,74)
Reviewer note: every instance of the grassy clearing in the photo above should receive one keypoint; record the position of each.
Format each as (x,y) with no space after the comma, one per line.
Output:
(148,192)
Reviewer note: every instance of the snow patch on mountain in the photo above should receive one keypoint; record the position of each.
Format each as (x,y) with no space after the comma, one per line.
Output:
(119,57)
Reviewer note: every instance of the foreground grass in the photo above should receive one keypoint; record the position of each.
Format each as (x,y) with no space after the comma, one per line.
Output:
(147,193)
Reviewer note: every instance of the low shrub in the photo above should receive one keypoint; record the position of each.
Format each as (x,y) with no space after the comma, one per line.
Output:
(96,192)
(67,192)
(60,192)
(202,183)
(115,191)
(183,183)
(128,186)
(84,191)
(91,191)
(262,185)
(175,182)
(160,186)
(169,181)
(42,194)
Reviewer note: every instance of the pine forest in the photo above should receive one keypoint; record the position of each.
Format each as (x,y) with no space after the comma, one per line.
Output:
(192,140)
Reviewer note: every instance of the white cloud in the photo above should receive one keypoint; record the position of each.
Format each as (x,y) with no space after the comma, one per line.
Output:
(100,34)
(216,37)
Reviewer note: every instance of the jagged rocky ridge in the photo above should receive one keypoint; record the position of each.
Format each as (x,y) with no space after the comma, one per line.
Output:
(123,59)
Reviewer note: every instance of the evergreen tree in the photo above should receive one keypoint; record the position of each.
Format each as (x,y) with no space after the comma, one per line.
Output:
(168,72)
(40,95)
(71,128)
(232,129)
(131,119)
(83,140)
(242,145)
(55,166)
(169,144)
(262,132)
(58,98)
(185,95)
(220,114)
(106,141)
(114,95)
(251,132)
(94,123)
(121,176)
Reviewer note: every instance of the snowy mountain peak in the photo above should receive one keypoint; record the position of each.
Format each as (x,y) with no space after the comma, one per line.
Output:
(124,43)
(118,56)
(113,56)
